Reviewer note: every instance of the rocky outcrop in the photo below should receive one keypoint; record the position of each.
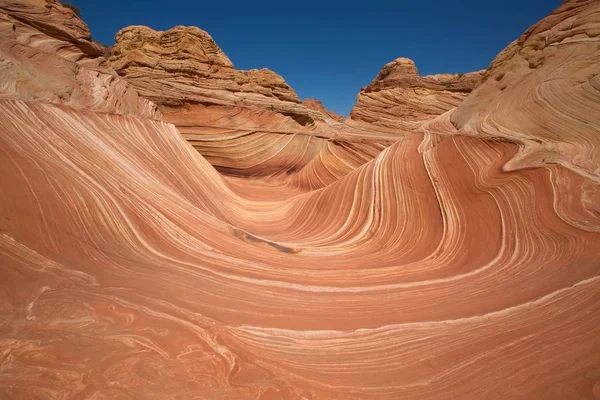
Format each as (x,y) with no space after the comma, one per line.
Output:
(399,97)
(184,67)
(248,123)
(543,91)
(47,54)
(315,104)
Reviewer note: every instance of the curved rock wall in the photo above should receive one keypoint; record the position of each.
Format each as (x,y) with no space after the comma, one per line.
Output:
(542,92)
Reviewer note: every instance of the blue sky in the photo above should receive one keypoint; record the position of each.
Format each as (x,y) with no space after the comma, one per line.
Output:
(328,49)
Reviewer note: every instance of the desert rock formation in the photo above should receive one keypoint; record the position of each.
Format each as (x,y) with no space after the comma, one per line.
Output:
(542,92)
(184,66)
(376,263)
(317,105)
(400,98)
(47,55)
(246,123)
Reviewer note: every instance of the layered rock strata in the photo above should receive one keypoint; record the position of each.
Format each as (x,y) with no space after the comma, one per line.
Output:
(542,92)
(398,97)
(47,54)
(426,267)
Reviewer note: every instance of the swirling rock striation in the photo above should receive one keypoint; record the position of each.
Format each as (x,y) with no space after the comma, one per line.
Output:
(246,123)
(543,92)
(418,267)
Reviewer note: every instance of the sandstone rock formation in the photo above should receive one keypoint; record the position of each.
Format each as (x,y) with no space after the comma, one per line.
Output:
(317,105)
(542,92)
(47,54)
(393,264)
(399,97)
(246,123)
(184,66)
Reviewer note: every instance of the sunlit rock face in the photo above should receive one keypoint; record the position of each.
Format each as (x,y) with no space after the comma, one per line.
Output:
(246,123)
(47,55)
(542,92)
(400,98)
(315,104)
(185,65)
(396,264)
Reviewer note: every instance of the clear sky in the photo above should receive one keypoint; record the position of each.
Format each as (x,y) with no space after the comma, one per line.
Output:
(328,49)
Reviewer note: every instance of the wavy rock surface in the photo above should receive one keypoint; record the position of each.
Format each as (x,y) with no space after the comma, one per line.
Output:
(428,269)
(246,123)
(399,97)
(264,144)
(542,91)
(170,284)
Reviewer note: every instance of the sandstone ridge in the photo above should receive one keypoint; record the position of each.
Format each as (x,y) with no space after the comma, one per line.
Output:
(184,66)
(542,92)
